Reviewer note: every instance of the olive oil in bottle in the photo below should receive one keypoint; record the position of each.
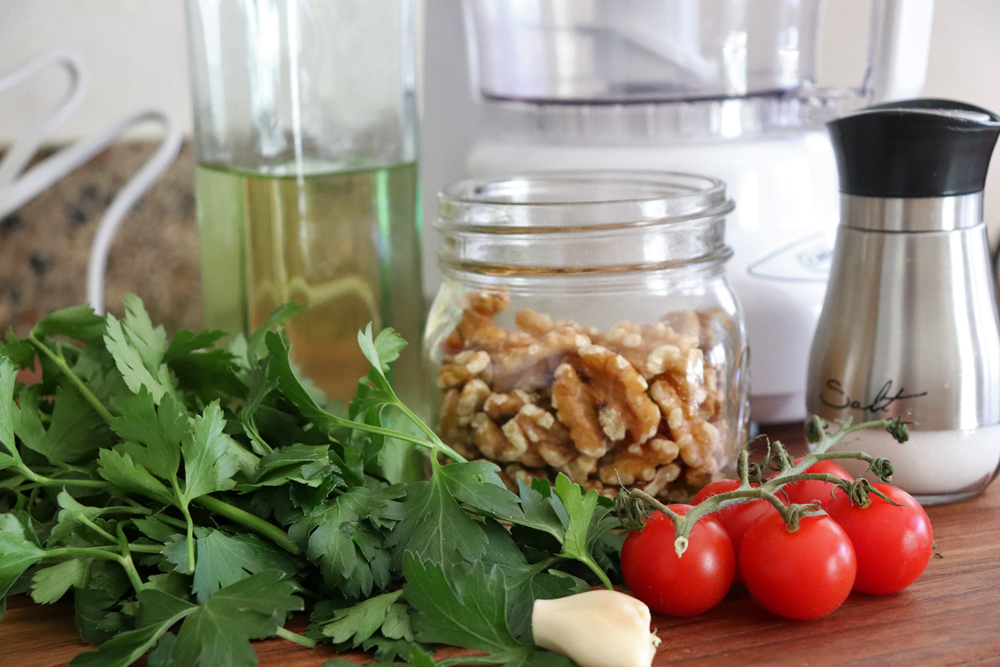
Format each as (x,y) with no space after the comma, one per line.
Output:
(346,243)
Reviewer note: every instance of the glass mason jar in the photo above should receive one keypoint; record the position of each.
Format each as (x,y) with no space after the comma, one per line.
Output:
(585,325)
(306,184)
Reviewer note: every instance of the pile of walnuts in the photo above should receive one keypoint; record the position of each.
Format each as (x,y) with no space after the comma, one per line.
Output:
(638,405)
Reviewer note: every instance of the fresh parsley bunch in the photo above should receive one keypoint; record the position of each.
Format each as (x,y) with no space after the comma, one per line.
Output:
(191,498)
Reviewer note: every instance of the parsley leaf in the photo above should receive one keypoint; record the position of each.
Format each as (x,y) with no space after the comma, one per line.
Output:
(131,477)
(256,347)
(582,519)
(75,431)
(466,605)
(51,583)
(476,483)
(380,351)
(79,322)
(209,463)
(158,612)
(217,633)
(224,560)
(185,342)
(95,620)
(159,432)
(9,413)
(525,583)
(138,350)
(19,549)
(434,526)
(305,464)
(344,539)
(353,626)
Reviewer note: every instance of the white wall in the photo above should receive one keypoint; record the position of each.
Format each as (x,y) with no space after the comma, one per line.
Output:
(135,50)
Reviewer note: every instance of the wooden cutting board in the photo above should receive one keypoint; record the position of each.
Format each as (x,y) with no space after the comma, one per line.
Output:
(950,616)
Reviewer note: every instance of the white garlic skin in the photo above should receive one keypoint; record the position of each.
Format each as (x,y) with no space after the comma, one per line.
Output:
(598,628)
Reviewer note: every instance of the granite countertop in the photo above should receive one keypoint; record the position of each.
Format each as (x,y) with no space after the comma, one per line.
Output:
(44,245)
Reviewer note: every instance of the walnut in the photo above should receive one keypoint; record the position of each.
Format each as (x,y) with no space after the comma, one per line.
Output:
(615,384)
(465,366)
(533,322)
(539,324)
(515,432)
(580,468)
(664,476)
(546,435)
(519,473)
(684,322)
(639,405)
(672,407)
(640,463)
(450,425)
(476,329)
(574,403)
(697,440)
(474,395)
(530,367)
(652,348)
(696,478)
(501,407)
(611,423)
(626,470)
(495,443)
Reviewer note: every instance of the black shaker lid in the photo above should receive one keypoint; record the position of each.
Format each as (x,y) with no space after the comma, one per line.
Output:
(914,148)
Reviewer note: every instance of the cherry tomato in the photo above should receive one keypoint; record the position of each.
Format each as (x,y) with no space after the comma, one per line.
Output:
(691,584)
(736,518)
(803,574)
(807,491)
(893,543)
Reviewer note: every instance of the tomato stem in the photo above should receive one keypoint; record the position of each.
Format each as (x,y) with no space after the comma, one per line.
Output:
(633,502)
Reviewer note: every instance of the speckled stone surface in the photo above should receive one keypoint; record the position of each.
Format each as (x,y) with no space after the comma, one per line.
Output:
(44,246)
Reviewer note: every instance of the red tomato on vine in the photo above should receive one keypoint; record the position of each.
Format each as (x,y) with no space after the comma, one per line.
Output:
(801,574)
(893,543)
(736,518)
(679,586)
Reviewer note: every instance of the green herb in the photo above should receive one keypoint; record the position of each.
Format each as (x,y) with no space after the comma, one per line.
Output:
(177,487)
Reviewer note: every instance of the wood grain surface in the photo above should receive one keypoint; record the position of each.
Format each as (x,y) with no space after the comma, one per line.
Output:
(950,616)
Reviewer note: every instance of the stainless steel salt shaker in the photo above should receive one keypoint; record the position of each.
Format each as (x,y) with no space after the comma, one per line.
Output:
(909,326)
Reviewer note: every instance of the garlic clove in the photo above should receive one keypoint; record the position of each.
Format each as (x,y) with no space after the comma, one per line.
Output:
(599,628)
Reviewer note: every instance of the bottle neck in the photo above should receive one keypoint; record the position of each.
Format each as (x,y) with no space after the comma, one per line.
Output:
(923,214)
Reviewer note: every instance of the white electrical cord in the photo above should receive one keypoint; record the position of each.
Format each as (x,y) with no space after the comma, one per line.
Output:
(24,147)
(127,197)
(17,188)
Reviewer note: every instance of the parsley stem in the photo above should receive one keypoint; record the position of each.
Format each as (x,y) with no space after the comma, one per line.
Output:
(97,529)
(176,523)
(248,520)
(38,481)
(182,505)
(469,660)
(295,637)
(437,442)
(596,569)
(436,445)
(138,548)
(60,362)
(126,563)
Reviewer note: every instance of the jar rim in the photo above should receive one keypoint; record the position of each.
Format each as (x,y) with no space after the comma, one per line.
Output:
(583,222)
(554,202)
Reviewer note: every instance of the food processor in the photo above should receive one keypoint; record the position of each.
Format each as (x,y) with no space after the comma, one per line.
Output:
(724,88)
